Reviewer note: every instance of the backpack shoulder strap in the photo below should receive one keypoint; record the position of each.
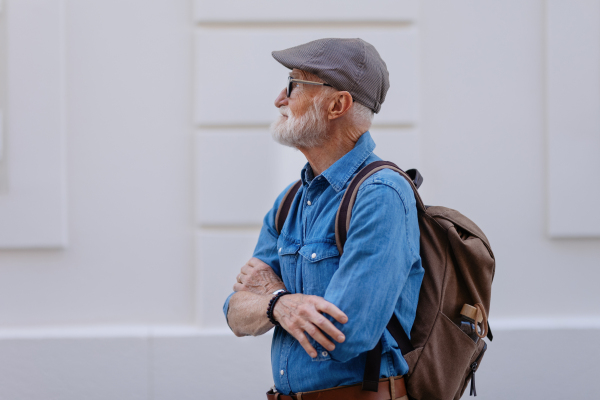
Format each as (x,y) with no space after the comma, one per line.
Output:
(342,223)
(284,206)
(373,363)
(344,213)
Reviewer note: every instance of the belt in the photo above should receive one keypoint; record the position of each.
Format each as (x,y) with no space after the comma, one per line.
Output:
(395,391)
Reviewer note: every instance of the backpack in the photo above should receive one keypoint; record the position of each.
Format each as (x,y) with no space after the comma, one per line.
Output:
(459,269)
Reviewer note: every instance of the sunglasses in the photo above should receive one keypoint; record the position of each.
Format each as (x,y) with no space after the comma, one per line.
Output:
(291,82)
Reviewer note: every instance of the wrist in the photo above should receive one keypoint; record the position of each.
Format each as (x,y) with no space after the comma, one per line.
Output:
(272,303)
(272,289)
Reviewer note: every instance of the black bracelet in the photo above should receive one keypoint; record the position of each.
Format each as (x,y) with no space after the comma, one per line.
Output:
(272,305)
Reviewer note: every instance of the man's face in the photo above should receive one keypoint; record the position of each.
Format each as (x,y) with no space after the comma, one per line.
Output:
(303,121)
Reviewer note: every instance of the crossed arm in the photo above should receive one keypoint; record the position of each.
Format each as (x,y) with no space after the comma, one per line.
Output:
(298,314)
(380,255)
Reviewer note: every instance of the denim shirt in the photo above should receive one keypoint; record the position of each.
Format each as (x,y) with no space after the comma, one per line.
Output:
(379,272)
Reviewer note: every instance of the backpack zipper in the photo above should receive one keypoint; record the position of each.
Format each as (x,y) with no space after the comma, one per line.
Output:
(474,368)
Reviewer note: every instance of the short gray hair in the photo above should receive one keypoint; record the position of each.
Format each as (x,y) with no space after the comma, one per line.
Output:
(361,116)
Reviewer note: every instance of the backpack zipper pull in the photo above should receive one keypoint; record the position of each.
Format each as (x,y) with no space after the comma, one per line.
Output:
(473,389)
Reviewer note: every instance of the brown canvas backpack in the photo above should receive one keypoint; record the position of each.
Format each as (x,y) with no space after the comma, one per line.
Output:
(459,269)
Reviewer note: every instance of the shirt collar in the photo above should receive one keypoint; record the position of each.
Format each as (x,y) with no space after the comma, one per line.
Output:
(338,174)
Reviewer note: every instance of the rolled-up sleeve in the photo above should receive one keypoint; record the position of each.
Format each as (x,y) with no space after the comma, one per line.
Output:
(378,256)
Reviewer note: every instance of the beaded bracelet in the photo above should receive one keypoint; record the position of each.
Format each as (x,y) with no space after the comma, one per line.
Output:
(272,305)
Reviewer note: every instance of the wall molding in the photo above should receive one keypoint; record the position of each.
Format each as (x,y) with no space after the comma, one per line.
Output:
(545,323)
(183,331)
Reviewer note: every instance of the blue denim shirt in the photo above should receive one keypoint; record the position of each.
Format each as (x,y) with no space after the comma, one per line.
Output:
(379,273)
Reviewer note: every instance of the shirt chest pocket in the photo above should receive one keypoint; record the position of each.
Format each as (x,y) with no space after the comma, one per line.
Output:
(288,256)
(319,263)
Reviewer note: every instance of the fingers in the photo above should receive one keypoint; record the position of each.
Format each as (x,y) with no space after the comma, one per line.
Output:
(256,263)
(330,309)
(311,329)
(305,343)
(247,269)
(239,287)
(239,278)
(319,337)
(253,266)
(300,315)
(326,326)
(323,324)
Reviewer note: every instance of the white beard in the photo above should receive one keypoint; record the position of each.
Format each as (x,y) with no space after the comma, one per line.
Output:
(307,131)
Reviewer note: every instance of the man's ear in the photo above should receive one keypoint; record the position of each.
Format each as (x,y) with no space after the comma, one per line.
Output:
(339,105)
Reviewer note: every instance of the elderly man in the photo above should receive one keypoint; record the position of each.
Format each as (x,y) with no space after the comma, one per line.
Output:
(330,310)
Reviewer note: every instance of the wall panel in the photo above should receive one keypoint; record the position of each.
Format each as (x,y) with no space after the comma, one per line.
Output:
(128,90)
(573,117)
(3,163)
(33,205)
(239,173)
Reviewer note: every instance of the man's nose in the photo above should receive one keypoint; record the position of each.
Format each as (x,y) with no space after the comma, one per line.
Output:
(281,99)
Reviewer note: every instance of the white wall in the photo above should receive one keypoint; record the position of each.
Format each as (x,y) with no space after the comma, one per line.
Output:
(485,152)
(128,162)
(165,168)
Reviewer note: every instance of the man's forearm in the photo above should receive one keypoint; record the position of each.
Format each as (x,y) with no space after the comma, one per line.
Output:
(297,313)
(247,314)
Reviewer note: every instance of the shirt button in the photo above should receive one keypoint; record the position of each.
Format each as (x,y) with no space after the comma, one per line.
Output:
(314,255)
(324,354)
(280,249)
(281,372)
(309,203)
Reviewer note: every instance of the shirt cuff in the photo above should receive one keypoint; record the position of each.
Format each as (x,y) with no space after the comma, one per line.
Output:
(226,308)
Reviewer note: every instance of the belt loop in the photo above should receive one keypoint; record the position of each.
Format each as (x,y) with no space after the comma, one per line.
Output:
(392,388)
(298,396)
(277,395)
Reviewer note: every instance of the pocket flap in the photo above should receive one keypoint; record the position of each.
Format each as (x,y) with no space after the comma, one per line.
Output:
(318,251)
(286,247)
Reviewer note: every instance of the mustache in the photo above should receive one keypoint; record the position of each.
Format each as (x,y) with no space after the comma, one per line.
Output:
(284,110)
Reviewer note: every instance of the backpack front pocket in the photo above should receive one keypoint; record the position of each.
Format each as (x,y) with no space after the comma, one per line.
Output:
(439,371)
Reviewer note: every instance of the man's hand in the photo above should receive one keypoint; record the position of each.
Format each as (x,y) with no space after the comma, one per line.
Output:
(257,277)
(299,313)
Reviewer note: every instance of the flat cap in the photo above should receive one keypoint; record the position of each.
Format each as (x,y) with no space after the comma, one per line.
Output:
(352,65)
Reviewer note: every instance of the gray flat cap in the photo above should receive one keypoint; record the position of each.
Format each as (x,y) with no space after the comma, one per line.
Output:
(352,65)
